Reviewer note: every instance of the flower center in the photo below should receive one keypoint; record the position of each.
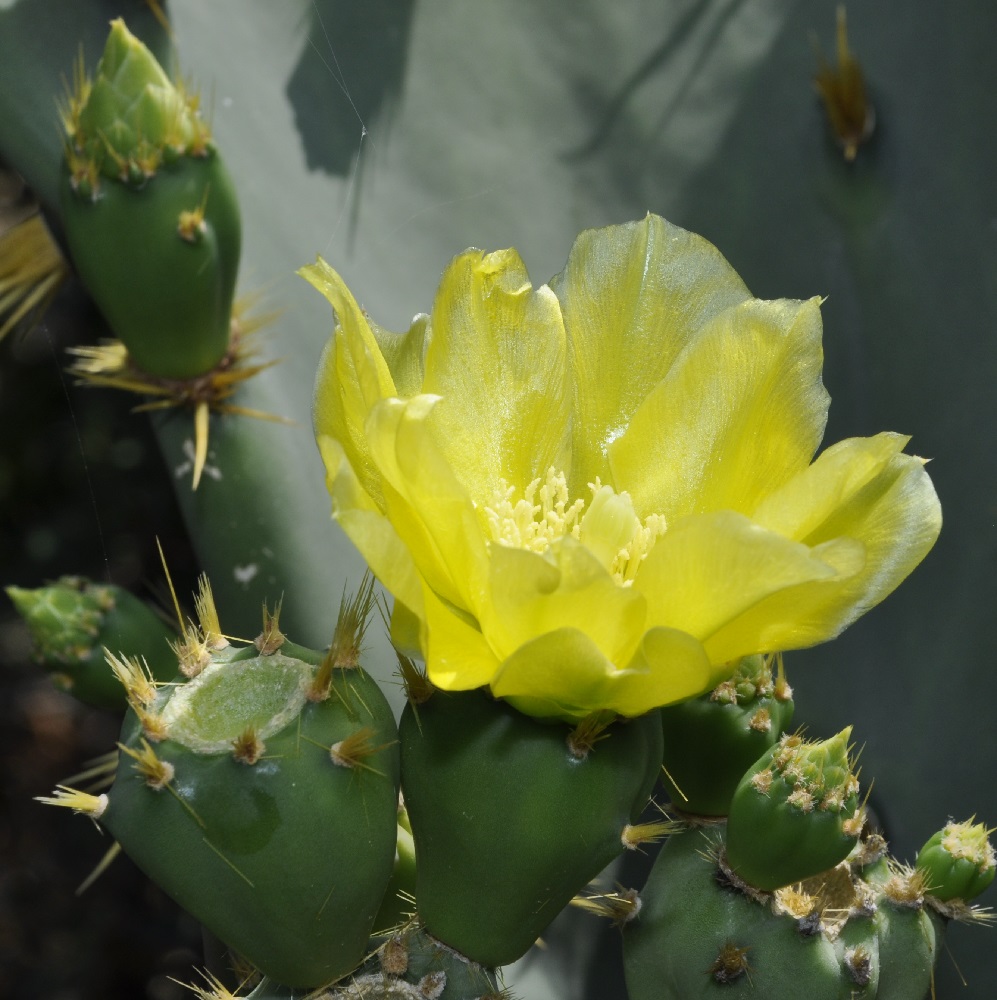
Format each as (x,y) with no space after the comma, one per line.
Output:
(609,528)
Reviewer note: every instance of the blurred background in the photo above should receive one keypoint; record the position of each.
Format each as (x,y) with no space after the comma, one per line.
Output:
(387,136)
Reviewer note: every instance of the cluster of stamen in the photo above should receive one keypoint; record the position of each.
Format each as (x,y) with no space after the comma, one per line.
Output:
(545,513)
(539,518)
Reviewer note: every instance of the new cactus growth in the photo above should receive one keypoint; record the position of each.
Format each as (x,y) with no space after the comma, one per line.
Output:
(795,812)
(73,620)
(712,740)
(511,818)
(958,862)
(150,214)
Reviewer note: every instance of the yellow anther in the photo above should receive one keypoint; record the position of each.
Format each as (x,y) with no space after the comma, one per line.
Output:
(609,527)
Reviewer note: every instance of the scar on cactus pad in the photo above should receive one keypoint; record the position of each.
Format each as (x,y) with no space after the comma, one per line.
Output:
(153,227)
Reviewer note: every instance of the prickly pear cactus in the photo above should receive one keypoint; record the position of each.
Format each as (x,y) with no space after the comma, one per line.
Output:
(795,812)
(712,740)
(261,792)
(513,816)
(71,623)
(864,930)
(149,209)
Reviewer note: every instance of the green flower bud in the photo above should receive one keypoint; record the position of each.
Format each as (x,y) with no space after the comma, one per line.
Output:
(958,862)
(133,110)
(73,620)
(712,740)
(150,214)
(795,813)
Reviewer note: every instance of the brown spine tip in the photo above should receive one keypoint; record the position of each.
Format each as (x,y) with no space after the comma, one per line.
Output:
(248,748)
(731,963)
(271,638)
(353,750)
(583,738)
(394,956)
(347,639)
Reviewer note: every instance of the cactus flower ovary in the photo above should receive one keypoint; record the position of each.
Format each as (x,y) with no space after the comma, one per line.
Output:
(598,493)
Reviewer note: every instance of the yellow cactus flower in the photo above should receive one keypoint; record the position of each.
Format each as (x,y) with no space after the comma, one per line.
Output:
(598,494)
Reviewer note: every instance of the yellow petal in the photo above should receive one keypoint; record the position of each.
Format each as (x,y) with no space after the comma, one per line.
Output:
(367,527)
(741,411)
(676,666)
(564,675)
(352,375)
(458,658)
(429,509)
(804,507)
(567,587)
(632,297)
(861,489)
(497,355)
(404,354)
(707,571)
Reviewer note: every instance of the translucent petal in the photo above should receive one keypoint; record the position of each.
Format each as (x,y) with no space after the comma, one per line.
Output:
(498,358)
(706,571)
(567,587)
(404,354)
(458,657)
(367,527)
(632,297)
(428,507)
(863,490)
(805,507)
(352,375)
(740,412)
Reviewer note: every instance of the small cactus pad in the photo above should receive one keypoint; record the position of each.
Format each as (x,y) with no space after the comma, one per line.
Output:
(71,623)
(958,861)
(712,740)
(795,812)
(228,796)
(511,817)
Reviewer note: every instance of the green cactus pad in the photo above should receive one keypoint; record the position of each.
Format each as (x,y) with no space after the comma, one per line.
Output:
(696,938)
(509,823)
(700,936)
(958,862)
(72,620)
(795,813)
(909,940)
(150,214)
(167,297)
(712,740)
(251,818)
